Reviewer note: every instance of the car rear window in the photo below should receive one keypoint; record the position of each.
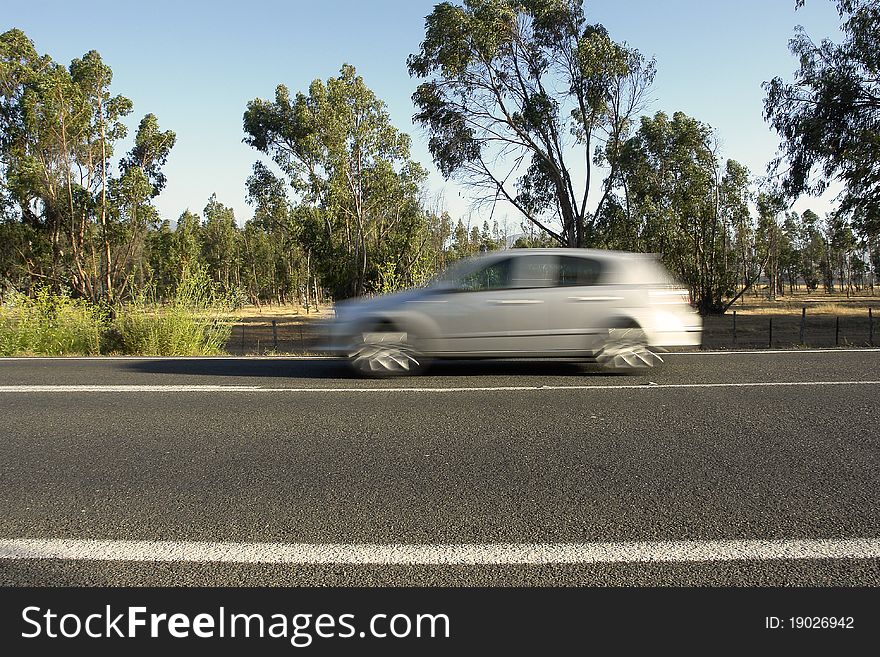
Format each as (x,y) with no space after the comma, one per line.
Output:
(578,271)
(535,271)
(491,277)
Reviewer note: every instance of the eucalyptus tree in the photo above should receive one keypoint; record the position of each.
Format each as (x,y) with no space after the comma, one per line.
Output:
(735,197)
(219,244)
(60,126)
(141,179)
(789,252)
(187,243)
(842,245)
(351,172)
(811,247)
(522,99)
(105,113)
(45,116)
(828,117)
(276,218)
(768,239)
(158,269)
(680,204)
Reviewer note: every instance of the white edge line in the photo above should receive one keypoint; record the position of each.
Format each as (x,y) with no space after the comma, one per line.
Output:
(438,554)
(734,352)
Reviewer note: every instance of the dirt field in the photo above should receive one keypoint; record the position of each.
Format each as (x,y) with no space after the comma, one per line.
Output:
(795,322)
(295,331)
(829,322)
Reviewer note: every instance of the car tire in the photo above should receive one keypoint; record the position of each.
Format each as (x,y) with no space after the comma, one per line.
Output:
(383,351)
(626,349)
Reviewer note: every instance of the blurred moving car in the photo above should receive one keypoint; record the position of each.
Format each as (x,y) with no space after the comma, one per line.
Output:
(613,308)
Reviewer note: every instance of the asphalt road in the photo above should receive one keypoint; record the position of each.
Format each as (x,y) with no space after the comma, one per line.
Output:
(710,450)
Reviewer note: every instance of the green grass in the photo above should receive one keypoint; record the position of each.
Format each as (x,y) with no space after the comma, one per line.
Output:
(49,324)
(195,322)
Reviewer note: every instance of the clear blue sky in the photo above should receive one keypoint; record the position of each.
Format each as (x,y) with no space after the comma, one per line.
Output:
(196,64)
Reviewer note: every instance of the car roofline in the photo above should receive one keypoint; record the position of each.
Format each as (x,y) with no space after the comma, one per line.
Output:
(563,250)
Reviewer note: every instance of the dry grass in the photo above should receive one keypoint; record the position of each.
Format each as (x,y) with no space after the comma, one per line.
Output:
(842,306)
(270,311)
(295,331)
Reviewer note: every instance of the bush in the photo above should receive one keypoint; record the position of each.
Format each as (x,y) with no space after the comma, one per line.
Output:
(194,323)
(49,324)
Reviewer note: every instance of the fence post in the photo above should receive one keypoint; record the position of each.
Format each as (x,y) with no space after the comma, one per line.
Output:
(242,339)
(734,329)
(837,331)
(870,327)
(274,336)
(770,338)
(803,323)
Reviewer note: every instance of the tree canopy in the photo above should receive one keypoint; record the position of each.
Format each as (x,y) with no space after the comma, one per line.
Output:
(352,172)
(521,98)
(74,223)
(828,117)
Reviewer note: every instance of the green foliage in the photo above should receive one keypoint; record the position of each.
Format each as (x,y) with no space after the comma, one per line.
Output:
(45,323)
(194,322)
(58,130)
(511,89)
(351,169)
(678,203)
(49,324)
(219,234)
(828,118)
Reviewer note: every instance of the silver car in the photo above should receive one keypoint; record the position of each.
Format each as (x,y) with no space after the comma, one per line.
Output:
(613,308)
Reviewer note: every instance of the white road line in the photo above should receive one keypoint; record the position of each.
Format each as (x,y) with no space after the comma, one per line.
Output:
(129,388)
(439,554)
(239,388)
(736,352)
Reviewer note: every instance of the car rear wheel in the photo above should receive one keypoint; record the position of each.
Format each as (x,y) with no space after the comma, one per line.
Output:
(384,351)
(627,349)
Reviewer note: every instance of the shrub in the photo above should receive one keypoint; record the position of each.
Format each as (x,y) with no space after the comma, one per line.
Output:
(49,323)
(194,323)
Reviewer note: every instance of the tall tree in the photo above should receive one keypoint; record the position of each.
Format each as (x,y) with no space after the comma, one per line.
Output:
(768,239)
(219,244)
(105,127)
(739,229)
(811,248)
(352,171)
(60,126)
(187,243)
(674,194)
(519,97)
(141,179)
(828,118)
(274,215)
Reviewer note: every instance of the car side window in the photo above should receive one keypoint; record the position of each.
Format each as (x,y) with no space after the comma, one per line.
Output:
(535,271)
(578,271)
(492,277)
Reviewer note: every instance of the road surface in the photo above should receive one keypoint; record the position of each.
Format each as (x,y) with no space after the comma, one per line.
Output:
(718,469)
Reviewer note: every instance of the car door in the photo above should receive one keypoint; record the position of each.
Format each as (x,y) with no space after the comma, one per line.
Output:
(578,307)
(491,312)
